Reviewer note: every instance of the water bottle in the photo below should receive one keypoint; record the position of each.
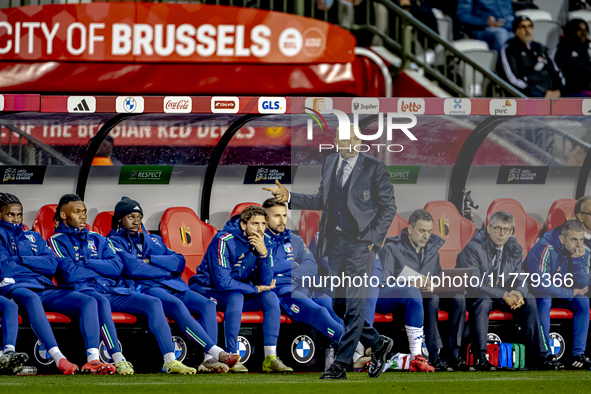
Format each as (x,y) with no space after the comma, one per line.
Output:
(25,370)
(328,358)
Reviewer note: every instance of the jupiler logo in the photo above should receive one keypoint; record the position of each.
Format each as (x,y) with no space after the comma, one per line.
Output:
(345,129)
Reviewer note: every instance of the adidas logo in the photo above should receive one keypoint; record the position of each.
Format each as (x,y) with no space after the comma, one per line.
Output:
(77,104)
(137,208)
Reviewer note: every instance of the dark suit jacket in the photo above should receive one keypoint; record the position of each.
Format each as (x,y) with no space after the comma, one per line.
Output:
(370,199)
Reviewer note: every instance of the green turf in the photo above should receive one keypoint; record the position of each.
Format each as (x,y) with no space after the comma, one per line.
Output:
(571,382)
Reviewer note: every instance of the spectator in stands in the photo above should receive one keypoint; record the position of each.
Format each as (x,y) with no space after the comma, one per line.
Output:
(153,269)
(583,215)
(237,272)
(422,11)
(558,258)
(10,360)
(389,298)
(487,20)
(26,267)
(418,249)
(88,263)
(495,255)
(573,59)
(104,154)
(526,65)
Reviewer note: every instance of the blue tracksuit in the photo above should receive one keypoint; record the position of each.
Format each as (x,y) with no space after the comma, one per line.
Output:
(9,315)
(229,273)
(160,278)
(549,256)
(26,268)
(87,262)
(292,261)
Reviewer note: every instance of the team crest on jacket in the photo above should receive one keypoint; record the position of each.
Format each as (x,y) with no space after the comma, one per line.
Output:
(91,245)
(185,234)
(302,349)
(295,308)
(30,237)
(366,195)
(288,248)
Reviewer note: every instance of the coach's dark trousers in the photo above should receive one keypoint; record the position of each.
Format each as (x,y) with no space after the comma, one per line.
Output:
(352,258)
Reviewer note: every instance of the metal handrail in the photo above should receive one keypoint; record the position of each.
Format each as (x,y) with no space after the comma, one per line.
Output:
(31,141)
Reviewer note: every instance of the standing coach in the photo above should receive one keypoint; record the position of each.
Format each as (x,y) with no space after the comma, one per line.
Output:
(357,203)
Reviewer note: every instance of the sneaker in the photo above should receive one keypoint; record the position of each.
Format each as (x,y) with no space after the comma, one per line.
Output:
(362,364)
(98,368)
(124,368)
(549,363)
(440,365)
(175,366)
(274,364)
(334,372)
(66,367)
(379,357)
(419,364)
(213,366)
(456,364)
(239,368)
(229,359)
(9,361)
(581,362)
(482,364)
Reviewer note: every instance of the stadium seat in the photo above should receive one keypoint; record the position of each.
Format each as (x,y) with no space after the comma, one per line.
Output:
(102,223)
(183,232)
(473,82)
(547,33)
(309,223)
(240,207)
(535,15)
(580,14)
(123,318)
(379,318)
(398,224)
(556,8)
(44,223)
(558,313)
(561,210)
(527,229)
(455,229)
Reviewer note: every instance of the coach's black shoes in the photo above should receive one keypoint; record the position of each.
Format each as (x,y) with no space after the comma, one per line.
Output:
(482,364)
(334,372)
(379,357)
(457,364)
(549,363)
(440,365)
(581,362)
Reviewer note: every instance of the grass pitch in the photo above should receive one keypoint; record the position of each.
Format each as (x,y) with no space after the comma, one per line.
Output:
(571,382)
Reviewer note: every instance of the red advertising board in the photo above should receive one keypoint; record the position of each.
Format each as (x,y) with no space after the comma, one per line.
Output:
(171,33)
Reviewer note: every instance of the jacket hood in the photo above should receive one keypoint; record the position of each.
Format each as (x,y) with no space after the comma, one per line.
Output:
(278,237)
(65,229)
(233,227)
(552,237)
(15,229)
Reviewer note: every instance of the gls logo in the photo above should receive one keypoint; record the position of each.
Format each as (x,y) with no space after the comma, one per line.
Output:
(345,129)
(272,105)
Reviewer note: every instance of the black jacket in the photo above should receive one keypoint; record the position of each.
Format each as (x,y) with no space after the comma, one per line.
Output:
(574,61)
(479,253)
(532,71)
(398,252)
(370,199)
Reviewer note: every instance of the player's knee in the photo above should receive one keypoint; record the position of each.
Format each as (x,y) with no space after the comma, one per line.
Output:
(581,301)
(89,305)
(459,301)
(270,300)
(484,304)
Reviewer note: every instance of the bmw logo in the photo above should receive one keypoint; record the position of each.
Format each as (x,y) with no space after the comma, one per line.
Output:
(491,337)
(41,354)
(104,353)
(129,104)
(180,348)
(244,349)
(302,349)
(557,345)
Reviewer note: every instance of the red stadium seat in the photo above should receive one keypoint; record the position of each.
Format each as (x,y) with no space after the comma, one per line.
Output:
(123,318)
(309,223)
(183,232)
(455,229)
(398,224)
(44,223)
(379,318)
(25,227)
(560,211)
(557,313)
(500,316)
(54,317)
(102,223)
(240,207)
(527,229)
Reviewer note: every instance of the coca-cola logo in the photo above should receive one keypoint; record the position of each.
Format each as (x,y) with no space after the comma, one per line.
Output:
(177,104)
(225,104)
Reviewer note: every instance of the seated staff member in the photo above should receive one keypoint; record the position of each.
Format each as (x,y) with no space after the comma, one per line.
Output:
(237,273)
(89,264)
(26,268)
(418,248)
(388,299)
(10,360)
(153,269)
(291,261)
(558,253)
(493,251)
